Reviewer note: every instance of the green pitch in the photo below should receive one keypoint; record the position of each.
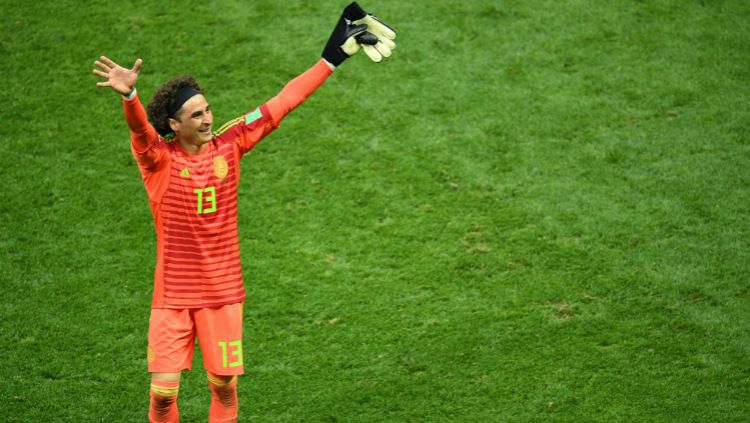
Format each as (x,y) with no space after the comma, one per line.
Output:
(533,211)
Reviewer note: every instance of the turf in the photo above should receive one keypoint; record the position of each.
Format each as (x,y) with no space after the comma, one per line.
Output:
(533,211)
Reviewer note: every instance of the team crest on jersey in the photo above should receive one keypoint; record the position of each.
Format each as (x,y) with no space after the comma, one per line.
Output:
(221,169)
(185,173)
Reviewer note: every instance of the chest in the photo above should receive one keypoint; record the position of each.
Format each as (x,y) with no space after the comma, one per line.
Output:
(203,185)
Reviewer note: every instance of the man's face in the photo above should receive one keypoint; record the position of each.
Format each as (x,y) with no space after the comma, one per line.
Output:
(194,125)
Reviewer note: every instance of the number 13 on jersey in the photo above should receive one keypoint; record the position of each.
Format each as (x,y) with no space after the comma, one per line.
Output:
(206,199)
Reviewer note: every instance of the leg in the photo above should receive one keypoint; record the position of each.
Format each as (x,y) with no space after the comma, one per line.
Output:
(171,340)
(224,407)
(163,405)
(220,334)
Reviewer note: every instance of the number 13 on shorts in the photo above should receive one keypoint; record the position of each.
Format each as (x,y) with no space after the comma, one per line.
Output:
(231,353)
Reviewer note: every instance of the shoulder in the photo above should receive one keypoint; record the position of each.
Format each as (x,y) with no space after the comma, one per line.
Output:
(253,119)
(165,145)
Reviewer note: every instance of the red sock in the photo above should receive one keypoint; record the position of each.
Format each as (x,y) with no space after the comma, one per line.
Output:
(224,407)
(163,406)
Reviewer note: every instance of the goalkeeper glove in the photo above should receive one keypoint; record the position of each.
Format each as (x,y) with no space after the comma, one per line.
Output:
(346,38)
(384,33)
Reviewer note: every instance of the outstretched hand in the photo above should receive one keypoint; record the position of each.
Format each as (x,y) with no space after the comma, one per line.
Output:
(118,78)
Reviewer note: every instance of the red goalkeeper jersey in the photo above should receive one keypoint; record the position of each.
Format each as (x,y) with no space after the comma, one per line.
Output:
(193,198)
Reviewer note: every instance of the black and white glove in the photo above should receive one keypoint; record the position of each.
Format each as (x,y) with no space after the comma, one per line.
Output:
(346,38)
(384,33)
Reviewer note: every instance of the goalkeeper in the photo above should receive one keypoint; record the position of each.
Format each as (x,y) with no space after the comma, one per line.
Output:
(191,175)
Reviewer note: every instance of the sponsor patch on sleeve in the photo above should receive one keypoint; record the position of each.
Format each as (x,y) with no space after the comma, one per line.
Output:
(253,116)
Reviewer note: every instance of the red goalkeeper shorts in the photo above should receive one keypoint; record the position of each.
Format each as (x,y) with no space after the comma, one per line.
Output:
(172,334)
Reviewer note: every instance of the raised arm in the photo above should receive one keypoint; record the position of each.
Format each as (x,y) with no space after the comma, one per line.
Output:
(143,136)
(297,90)
(345,40)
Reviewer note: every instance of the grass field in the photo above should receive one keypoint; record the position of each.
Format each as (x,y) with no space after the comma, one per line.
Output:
(533,211)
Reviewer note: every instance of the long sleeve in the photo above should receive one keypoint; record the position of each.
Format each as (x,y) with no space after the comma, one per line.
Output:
(297,90)
(143,136)
(247,130)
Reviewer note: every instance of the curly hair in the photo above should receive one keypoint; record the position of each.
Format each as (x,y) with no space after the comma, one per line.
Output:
(158,107)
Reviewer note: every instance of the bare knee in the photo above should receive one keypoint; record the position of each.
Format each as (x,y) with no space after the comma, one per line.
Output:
(165,377)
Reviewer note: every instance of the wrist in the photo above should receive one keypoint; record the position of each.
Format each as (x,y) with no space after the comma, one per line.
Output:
(130,95)
(330,65)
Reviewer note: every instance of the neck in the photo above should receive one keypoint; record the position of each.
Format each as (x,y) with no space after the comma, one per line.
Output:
(191,148)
